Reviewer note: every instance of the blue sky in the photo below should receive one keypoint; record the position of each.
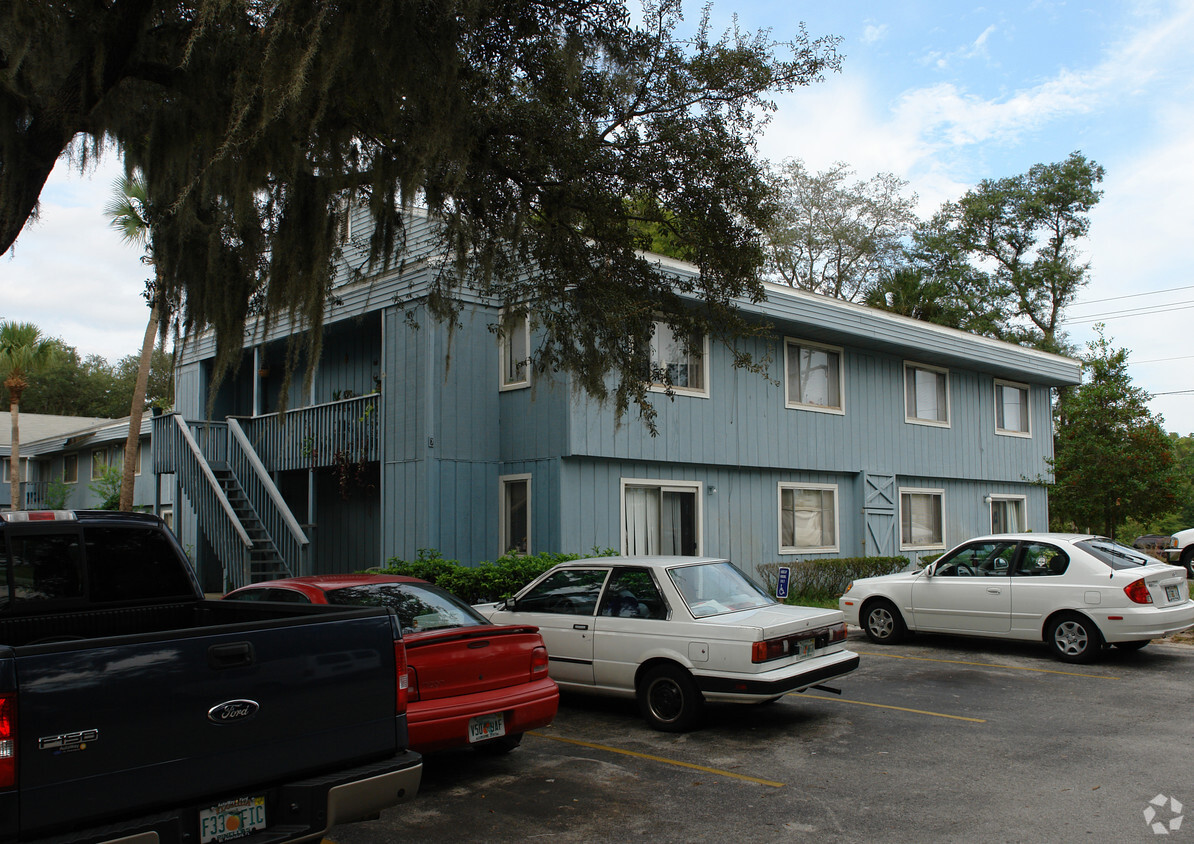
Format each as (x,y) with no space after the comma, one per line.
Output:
(942,93)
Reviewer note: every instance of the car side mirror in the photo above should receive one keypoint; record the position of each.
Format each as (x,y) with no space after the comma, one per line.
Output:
(929,569)
(508,604)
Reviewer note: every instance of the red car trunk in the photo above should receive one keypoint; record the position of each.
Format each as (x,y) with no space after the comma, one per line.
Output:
(468,660)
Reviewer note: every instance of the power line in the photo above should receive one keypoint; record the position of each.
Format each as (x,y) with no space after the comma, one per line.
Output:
(1134,295)
(1146,311)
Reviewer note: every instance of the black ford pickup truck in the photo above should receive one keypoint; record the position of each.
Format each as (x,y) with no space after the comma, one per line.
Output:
(133,710)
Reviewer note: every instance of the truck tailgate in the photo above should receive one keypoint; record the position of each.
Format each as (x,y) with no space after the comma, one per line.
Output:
(139,723)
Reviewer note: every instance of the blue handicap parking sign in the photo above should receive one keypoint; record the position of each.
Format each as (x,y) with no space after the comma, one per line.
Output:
(781,587)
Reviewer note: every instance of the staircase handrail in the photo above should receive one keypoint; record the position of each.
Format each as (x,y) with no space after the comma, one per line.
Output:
(214,484)
(298,537)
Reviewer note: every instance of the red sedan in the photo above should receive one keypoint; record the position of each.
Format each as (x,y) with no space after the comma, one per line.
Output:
(471,681)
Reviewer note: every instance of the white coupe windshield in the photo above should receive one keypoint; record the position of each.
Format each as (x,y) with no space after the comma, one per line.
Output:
(715,588)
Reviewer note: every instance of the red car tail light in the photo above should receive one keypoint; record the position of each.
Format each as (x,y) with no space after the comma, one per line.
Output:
(403,679)
(8,740)
(538,663)
(1137,592)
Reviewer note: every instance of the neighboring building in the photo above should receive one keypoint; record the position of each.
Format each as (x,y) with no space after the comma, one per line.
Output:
(73,451)
(873,434)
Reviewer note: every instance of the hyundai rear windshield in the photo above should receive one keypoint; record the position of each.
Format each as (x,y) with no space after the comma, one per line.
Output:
(1116,555)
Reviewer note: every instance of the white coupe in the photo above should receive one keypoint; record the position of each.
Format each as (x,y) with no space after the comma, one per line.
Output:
(674,632)
(1076,593)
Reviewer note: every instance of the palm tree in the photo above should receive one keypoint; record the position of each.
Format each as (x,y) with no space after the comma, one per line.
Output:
(128,212)
(24,352)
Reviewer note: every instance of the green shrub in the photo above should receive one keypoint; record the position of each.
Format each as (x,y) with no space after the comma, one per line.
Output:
(486,581)
(825,580)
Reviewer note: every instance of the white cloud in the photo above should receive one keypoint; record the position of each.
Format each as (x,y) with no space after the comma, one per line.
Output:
(873,33)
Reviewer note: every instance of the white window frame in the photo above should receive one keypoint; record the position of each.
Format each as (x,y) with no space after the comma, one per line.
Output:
(910,546)
(695,487)
(809,549)
(504,516)
(167,516)
(506,344)
(658,387)
(795,403)
(1027,392)
(1002,498)
(916,420)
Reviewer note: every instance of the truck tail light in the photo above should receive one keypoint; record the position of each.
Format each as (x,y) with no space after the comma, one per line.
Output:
(1137,592)
(538,663)
(8,740)
(403,678)
(412,684)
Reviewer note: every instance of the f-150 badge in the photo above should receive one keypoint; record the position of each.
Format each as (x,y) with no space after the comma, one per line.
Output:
(232,711)
(68,742)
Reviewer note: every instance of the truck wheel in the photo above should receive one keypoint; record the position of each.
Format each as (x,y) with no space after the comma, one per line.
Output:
(1188,560)
(669,699)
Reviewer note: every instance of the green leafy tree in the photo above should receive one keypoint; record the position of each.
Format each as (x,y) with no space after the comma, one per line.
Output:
(521,127)
(836,236)
(1007,251)
(24,353)
(1113,461)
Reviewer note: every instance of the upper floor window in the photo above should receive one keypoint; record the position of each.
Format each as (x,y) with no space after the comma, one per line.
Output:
(515,330)
(814,376)
(1011,409)
(807,518)
(677,362)
(926,394)
(922,519)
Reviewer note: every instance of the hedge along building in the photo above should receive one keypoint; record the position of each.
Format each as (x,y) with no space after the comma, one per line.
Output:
(872,434)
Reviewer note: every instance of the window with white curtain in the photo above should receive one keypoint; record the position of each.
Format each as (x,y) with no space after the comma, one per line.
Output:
(922,519)
(516,350)
(814,376)
(807,518)
(926,394)
(1007,514)
(1011,409)
(660,518)
(678,364)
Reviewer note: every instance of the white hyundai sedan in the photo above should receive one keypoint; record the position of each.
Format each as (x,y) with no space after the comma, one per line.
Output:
(674,632)
(1077,593)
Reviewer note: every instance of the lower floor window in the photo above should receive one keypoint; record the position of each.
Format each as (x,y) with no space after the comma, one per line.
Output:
(516,514)
(807,518)
(660,519)
(921,518)
(1007,515)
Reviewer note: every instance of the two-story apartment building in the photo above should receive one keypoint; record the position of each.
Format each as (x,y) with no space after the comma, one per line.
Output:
(870,434)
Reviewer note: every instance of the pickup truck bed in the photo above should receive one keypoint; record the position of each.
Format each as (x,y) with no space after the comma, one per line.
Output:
(193,720)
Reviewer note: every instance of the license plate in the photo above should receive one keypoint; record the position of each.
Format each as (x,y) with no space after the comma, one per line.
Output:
(231,819)
(1173,594)
(806,647)
(485,727)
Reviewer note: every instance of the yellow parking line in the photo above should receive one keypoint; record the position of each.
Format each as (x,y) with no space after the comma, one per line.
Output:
(665,761)
(887,706)
(991,665)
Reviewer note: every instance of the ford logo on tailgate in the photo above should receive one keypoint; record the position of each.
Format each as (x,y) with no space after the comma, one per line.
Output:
(232,711)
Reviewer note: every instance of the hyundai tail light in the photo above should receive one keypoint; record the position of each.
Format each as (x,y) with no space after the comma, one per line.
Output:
(1137,592)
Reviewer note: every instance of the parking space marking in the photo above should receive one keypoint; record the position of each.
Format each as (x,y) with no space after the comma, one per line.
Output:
(992,665)
(674,762)
(889,706)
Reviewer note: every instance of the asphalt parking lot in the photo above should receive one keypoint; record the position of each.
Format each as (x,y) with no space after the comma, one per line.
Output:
(939,739)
